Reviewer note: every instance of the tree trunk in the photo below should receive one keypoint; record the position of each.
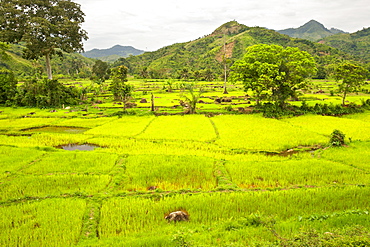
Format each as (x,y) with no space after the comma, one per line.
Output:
(344,98)
(124,103)
(153,108)
(225,78)
(48,66)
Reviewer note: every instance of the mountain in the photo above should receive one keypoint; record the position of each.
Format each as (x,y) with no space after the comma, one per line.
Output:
(206,53)
(357,44)
(312,30)
(113,53)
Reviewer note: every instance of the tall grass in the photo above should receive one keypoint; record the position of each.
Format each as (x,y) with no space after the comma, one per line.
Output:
(356,155)
(291,173)
(352,128)
(126,126)
(52,185)
(24,123)
(252,132)
(42,140)
(85,123)
(73,162)
(193,127)
(125,216)
(168,172)
(52,222)
(13,159)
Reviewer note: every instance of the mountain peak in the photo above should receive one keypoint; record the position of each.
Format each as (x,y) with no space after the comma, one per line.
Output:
(112,53)
(230,28)
(312,30)
(313,26)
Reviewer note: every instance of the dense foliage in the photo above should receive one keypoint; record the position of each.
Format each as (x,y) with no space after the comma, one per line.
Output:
(46,27)
(275,70)
(46,94)
(356,44)
(8,87)
(350,78)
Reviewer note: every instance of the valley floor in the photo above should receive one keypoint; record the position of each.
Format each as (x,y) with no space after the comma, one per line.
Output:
(244,180)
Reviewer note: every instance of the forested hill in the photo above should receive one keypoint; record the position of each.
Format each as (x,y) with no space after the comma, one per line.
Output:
(357,44)
(112,53)
(312,30)
(229,40)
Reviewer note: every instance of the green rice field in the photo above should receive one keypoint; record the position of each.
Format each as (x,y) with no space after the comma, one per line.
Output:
(243,179)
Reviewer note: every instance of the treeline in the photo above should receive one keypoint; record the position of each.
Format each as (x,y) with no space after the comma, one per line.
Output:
(36,93)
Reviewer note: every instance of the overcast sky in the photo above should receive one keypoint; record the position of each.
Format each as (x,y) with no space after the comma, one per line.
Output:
(150,25)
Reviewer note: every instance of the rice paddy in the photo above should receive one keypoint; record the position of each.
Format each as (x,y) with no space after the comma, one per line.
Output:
(244,180)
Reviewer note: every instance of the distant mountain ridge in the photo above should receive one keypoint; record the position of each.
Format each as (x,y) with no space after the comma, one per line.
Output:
(113,53)
(357,44)
(206,54)
(312,30)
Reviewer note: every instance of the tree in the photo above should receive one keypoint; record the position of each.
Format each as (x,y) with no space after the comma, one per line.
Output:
(8,86)
(274,69)
(46,93)
(192,100)
(100,70)
(47,27)
(120,89)
(119,76)
(350,78)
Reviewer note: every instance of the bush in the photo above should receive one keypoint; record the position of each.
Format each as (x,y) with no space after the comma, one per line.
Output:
(337,138)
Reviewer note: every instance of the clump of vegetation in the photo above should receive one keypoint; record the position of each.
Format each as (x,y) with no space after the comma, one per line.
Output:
(337,138)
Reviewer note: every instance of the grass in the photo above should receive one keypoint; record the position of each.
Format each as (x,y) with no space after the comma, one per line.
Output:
(123,127)
(53,222)
(224,212)
(226,171)
(294,173)
(251,132)
(181,128)
(324,125)
(52,185)
(73,162)
(168,173)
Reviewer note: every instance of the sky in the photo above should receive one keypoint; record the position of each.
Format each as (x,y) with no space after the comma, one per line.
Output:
(151,25)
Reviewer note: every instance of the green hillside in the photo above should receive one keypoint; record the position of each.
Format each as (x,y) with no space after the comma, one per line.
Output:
(70,64)
(207,53)
(312,30)
(16,63)
(357,44)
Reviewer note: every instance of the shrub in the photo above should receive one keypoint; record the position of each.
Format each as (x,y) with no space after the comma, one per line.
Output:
(337,138)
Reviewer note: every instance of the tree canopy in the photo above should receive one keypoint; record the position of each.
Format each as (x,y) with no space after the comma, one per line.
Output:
(47,27)
(275,70)
(350,77)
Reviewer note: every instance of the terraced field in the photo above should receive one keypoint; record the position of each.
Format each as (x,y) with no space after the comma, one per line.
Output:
(244,180)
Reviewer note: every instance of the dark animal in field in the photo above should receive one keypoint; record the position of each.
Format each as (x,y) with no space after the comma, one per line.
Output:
(152,188)
(177,216)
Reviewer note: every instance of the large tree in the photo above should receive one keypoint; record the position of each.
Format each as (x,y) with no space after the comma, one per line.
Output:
(350,77)
(47,27)
(120,89)
(100,71)
(275,70)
